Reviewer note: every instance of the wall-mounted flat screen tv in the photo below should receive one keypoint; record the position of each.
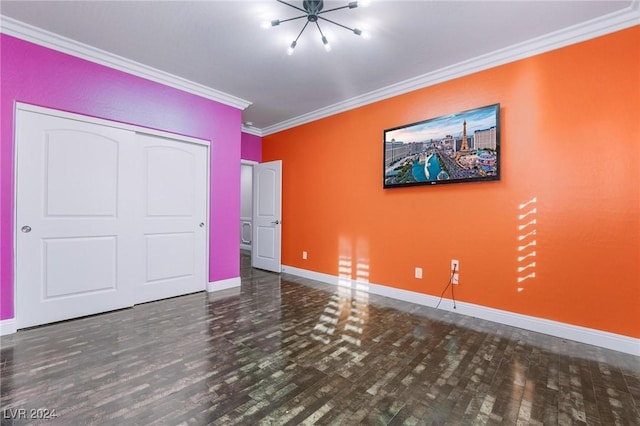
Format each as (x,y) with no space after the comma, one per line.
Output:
(454,148)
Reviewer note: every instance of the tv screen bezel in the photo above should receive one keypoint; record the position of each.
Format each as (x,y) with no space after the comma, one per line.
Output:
(493,177)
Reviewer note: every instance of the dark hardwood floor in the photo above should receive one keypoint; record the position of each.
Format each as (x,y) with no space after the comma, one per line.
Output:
(285,350)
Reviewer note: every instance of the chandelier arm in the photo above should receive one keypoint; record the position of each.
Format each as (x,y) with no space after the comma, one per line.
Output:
(325,42)
(301,31)
(335,23)
(321,33)
(280,21)
(331,10)
(292,5)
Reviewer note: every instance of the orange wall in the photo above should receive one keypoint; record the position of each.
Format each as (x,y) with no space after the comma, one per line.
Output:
(570,139)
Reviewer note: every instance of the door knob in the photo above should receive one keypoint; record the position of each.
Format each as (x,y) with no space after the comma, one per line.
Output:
(26,229)
(201,225)
(276,222)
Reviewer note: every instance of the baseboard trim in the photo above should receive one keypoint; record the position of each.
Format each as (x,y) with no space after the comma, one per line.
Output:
(223,284)
(576,333)
(8,326)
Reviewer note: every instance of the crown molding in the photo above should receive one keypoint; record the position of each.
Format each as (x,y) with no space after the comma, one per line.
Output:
(616,21)
(21,30)
(251,130)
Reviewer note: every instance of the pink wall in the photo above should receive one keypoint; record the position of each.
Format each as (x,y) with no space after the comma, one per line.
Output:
(44,77)
(251,147)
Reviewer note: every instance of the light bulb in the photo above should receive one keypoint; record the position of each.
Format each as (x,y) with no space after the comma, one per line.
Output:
(269,24)
(290,49)
(327,46)
(363,34)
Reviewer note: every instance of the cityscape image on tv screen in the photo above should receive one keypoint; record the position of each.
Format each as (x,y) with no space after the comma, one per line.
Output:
(459,147)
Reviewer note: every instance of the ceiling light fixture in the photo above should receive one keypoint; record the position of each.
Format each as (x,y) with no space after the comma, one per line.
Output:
(313,9)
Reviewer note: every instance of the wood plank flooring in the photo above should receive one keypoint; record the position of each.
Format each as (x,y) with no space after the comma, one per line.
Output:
(285,350)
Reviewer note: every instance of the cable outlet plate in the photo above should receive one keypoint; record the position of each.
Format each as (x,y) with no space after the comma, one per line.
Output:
(455,265)
(304,255)
(418,273)
(455,268)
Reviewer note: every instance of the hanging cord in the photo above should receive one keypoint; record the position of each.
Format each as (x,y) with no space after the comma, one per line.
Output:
(447,286)
(452,286)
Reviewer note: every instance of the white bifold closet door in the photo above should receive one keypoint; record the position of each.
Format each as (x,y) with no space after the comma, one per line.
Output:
(106,217)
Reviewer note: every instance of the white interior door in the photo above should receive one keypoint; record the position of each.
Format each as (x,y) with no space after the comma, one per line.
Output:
(74,250)
(174,224)
(267,217)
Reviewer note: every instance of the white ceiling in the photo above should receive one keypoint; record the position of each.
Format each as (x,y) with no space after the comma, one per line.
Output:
(220,44)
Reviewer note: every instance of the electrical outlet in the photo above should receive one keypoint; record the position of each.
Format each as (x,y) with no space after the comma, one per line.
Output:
(454,278)
(455,265)
(418,273)
(304,255)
